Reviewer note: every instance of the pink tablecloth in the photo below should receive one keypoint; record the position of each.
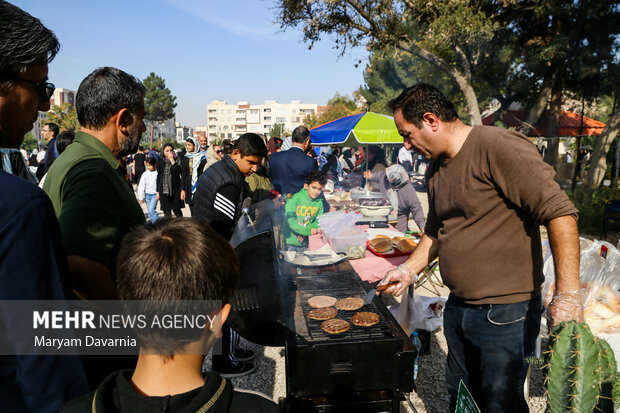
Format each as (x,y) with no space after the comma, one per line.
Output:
(370,268)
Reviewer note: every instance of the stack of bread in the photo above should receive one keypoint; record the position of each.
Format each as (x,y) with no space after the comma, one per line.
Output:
(383,244)
(601,306)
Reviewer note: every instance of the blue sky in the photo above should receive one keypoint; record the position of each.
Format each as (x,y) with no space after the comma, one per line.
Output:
(204,49)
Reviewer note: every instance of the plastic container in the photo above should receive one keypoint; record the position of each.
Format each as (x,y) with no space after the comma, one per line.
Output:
(376,211)
(418,345)
(326,219)
(334,224)
(351,241)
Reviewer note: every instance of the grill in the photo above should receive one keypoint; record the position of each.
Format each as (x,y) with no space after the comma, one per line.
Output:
(365,369)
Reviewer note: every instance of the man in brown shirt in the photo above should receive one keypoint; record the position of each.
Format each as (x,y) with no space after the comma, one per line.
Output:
(489,191)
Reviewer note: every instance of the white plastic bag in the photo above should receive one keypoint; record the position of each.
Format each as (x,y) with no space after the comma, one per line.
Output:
(417,312)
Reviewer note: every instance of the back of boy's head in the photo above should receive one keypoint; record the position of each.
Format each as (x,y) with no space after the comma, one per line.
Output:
(316,176)
(176,260)
(251,144)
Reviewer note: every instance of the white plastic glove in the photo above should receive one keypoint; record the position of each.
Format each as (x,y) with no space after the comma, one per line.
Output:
(402,275)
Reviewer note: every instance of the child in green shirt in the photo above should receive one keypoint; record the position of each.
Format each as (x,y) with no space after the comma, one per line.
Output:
(301,212)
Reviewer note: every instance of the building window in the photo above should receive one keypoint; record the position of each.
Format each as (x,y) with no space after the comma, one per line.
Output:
(281,119)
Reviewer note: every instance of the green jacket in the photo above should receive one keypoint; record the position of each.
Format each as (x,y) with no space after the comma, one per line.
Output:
(301,213)
(93,201)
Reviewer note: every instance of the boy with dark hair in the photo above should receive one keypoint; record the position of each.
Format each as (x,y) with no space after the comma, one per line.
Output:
(168,376)
(218,201)
(301,212)
(221,188)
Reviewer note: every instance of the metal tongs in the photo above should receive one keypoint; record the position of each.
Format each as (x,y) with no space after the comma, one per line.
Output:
(370,294)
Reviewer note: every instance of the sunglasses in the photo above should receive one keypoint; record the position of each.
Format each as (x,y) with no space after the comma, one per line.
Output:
(218,151)
(44,88)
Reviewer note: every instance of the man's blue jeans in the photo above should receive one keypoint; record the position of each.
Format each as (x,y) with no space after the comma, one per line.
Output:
(151,206)
(487,349)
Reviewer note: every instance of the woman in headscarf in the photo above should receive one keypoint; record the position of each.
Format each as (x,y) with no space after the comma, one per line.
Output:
(214,154)
(394,182)
(192,166)
(346,161)
(169,188)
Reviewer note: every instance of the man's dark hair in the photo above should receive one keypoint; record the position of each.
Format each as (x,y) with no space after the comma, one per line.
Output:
(316,176)
(174,261)
(24,41)
(53,128)
(251,144)
(63,140)
(419,99)
(103,93)
(300,134)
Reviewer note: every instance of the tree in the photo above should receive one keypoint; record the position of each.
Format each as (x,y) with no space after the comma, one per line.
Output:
(388,74)
(337,107)
(159,103)
(64,116)
(452,35)
(276,130)
(519,48)
(601,147)
(29,142)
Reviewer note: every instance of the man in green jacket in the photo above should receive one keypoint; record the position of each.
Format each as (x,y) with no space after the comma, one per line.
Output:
(94,203)
(301,212)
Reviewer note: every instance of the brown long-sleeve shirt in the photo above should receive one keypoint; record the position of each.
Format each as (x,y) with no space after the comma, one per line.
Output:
(485,208)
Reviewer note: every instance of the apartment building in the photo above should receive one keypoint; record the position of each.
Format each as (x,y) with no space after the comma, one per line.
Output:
(62,96)
(228,121)
(183,132)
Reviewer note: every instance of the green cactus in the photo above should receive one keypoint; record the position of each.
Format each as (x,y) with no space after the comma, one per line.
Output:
(580,370)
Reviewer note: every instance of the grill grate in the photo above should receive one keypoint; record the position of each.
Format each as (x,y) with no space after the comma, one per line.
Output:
(315,333)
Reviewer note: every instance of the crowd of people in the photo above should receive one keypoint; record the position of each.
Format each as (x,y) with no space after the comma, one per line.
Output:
(92,241)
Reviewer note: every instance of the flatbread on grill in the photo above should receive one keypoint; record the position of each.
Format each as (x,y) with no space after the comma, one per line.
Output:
(320,301)
(365,319)
(324,313)
(350,304)
(335,326)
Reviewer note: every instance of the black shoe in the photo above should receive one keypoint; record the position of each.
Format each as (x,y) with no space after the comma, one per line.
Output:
(239,369)
(242,354)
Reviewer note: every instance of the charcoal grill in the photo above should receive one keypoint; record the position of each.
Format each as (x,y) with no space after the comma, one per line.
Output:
(366,369)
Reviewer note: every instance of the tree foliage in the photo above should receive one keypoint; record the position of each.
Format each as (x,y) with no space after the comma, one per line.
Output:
(29,142)
(387,74)
(159,102)
(337,107)
(64,116)
(276,130)
(519,49)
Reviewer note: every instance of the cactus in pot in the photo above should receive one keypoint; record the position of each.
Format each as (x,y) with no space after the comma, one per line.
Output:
(580,370)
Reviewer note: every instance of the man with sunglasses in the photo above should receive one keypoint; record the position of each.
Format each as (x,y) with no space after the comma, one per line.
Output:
(34,266)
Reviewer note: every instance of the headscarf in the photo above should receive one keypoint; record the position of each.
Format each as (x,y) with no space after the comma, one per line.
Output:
(347,155)
(211,157)
(397,177)
(195,159)
(166,178)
